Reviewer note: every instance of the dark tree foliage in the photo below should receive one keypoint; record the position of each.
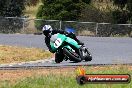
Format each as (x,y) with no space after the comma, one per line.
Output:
(14,8)
(120,3)
(124,12)
(61,9)
(123,15)
(31,2)
(3,4)
(86,1)
(129,5)
(11,8)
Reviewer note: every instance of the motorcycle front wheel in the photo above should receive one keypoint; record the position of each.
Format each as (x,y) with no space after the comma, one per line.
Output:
(73,56)
(88,56)
(58,57)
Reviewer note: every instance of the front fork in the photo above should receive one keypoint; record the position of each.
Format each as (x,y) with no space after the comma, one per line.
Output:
(82,52)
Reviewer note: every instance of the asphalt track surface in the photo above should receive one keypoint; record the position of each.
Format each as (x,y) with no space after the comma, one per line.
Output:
(105,50)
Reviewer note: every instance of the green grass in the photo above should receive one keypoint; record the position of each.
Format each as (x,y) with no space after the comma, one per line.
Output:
(68,80)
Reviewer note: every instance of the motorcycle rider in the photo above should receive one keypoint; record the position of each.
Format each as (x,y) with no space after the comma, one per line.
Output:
(48,31)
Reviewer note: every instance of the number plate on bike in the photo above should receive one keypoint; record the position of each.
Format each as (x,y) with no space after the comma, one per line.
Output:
(57,43)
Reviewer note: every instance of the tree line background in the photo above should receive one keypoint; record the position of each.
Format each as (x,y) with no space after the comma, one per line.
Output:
(109,11)
(113,11)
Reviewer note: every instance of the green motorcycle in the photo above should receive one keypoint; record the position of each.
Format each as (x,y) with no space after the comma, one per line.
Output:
(66,48)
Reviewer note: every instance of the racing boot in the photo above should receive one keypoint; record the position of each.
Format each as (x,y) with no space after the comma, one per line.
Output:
(73,36)
(79,42)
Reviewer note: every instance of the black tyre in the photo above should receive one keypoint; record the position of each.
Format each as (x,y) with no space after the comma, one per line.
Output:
(72,55)
(58,57)
(89,56)
(81,80)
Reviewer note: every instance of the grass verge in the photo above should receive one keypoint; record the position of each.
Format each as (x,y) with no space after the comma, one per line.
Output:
(13,54)
(63,77)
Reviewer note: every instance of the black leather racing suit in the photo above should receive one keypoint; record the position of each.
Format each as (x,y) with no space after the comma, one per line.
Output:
(47,37)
